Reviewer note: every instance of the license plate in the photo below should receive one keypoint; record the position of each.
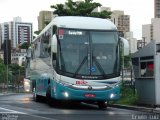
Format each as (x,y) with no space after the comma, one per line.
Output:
(88,95)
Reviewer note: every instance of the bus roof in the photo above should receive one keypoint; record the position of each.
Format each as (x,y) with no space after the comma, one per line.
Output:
(83,23)
(79,22)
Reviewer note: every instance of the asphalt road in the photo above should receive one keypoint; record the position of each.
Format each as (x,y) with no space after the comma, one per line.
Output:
(22,107)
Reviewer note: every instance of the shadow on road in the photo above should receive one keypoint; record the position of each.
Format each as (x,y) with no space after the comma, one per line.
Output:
(70,105)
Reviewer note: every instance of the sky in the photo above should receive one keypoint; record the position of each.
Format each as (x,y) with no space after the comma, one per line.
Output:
(140,11)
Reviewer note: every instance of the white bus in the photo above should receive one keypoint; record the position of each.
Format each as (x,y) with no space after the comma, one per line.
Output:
(77,58)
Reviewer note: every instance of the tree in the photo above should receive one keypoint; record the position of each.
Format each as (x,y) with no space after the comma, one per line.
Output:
(16,69)
(37,32)
(81,8)
(18,73)
(2,70)
(127,61)
(1,61)
(3,73)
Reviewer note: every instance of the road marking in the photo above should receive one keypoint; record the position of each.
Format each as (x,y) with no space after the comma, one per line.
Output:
(11,111)
(17,112)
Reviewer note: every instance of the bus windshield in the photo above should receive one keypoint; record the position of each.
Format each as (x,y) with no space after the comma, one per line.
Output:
(88,53)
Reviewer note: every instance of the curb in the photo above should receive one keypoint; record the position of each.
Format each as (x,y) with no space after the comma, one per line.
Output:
(138,108)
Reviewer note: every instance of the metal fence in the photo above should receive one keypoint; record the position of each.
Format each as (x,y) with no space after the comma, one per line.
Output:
(127,78)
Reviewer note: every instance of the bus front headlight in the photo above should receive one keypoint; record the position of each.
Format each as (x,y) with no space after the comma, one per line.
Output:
(65,94)
(112,95)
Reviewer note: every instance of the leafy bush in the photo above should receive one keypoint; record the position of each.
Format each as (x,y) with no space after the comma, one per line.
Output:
(128,96)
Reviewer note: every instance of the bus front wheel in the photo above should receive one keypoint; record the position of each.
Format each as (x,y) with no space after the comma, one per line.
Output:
(102,104)
(48,96)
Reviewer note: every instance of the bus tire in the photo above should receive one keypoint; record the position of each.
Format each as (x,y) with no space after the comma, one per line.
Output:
(102,104)
(48,96)
(36,97)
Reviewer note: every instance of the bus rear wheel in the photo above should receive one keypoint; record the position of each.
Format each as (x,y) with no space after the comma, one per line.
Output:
(102,104)
(36,97)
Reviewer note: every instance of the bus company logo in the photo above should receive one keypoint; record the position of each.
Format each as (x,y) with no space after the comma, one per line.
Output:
(81,82)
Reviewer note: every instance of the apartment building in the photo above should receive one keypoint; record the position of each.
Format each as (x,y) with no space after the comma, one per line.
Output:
(147,33)
(16,31)
(23,32)
(122,21)
(151,31)
(157,8)
(132,42)
(4,33)
(44,18)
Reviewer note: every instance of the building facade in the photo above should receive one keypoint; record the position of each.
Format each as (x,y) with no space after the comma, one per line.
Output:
(23,33)
(44,18)
(122,21)
(151,31)
(4,33)
(118,17)
(132,42)
(147,33)
(17,56)
(157,8)
(16,31)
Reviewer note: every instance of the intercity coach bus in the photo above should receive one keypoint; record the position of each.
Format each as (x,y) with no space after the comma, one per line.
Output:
(77,59)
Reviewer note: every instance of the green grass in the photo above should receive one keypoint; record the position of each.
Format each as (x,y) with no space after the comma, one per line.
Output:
(128,97)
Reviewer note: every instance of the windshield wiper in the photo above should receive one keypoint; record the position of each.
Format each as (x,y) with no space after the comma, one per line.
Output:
(79,67)
(99,67)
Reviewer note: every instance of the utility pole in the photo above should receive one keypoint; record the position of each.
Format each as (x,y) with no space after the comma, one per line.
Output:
(7,57)
(19,80)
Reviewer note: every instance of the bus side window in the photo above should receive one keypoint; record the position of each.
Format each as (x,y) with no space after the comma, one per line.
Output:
(54,59)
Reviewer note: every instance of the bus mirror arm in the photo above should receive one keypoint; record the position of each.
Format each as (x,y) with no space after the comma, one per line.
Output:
(29,53)
(54,44)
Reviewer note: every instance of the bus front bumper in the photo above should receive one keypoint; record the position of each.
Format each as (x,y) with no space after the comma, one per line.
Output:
(62,92)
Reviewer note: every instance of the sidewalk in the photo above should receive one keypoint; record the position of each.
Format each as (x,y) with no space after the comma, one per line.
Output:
(138,108)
